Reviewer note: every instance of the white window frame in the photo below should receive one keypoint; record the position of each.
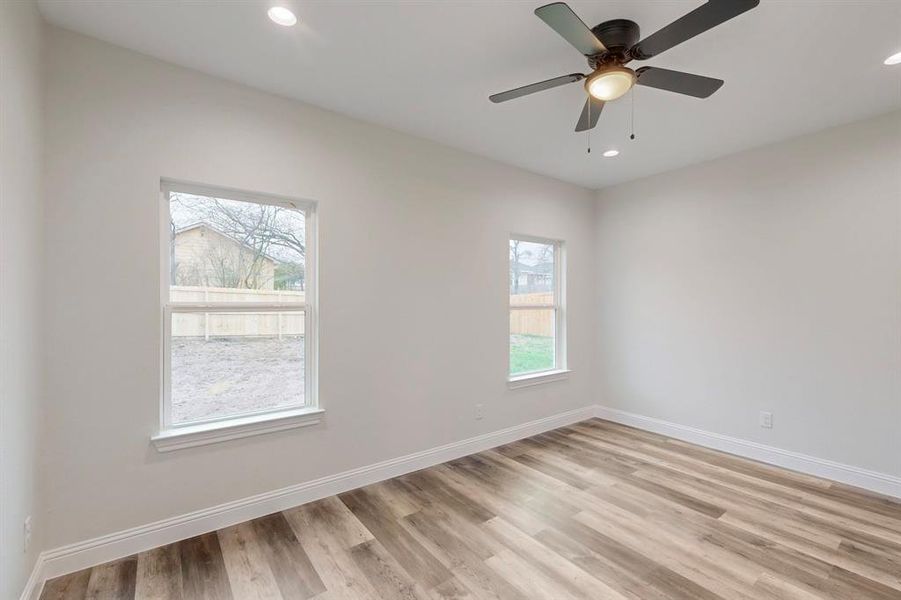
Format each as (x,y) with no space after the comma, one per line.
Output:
(559,370)
(173,436)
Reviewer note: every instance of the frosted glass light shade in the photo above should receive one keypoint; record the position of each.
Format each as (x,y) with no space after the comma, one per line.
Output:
(611,83)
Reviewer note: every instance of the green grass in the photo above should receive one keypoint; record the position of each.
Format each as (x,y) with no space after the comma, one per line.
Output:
(531,353)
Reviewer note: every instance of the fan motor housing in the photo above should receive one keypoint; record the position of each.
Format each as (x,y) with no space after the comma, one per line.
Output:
(618,35)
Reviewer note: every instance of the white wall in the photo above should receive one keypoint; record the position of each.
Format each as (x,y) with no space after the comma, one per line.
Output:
(768,280)
(20,277)
(412,228)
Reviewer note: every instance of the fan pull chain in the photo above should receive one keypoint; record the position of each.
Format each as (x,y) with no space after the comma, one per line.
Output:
(632,94)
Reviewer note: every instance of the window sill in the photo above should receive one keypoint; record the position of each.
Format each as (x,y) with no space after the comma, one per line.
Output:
(212,433)
(530,379)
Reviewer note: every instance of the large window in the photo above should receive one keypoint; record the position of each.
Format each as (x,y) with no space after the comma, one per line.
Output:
(536,307)
(238,309)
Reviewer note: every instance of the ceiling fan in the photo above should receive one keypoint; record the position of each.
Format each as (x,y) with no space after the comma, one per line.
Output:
(611,45)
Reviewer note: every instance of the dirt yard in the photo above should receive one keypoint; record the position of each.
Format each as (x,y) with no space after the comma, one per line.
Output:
(234,375)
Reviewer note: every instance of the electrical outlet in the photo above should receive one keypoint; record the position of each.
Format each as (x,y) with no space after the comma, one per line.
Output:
(766,419)
(480,411)
(26,531)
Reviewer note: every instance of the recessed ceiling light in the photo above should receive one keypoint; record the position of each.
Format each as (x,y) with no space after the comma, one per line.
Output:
(611,153)
(894,59)
(282,16)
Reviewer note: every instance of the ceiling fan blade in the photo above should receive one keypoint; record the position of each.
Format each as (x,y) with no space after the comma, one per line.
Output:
(678,81)
(701,19)
(585,123)
(535,87)
(564,21)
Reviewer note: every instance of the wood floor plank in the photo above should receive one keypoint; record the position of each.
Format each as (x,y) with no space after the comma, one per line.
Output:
(626,582)
(246,564)
(113,581)
(681,535)
(294,573)
(388,578)
(202,569)
(452,589)
(779,589)
(462,548)
(457,478)
(531,582)
(343,526)
(69,587)
(372,512)
(440,494)
(685,565)
(396,497)
(328,530)
(159,574)
(432,530)
(555,567)
(592,510)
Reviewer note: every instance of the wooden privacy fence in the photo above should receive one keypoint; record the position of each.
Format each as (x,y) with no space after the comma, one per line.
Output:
(278,324)
(539,321)
(235,324)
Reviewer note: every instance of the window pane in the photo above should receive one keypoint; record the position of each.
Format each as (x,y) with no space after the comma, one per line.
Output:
(532,345)
(228,364)
(531,273)
(231,251)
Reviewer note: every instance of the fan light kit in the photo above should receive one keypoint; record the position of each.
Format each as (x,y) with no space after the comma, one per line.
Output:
(611,45)
(894,59)
(610,84)
(282,16)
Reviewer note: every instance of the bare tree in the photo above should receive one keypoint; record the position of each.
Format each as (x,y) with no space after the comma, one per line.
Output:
(261,230)
(517,254)
(173,265)
(258,225)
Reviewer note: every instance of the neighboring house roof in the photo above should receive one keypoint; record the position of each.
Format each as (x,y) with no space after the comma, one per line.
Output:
(205,225)
(540,269)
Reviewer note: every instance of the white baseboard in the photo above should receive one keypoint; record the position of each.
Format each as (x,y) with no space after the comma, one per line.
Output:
(35,583)
(870,480)
(82,555)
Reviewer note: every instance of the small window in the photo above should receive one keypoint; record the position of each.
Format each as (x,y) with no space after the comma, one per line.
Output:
(238,306)
(536,308)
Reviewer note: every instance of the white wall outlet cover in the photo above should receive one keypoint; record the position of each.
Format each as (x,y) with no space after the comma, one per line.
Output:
(766,419)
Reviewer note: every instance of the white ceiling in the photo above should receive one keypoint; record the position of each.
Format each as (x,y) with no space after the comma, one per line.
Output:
(427,68)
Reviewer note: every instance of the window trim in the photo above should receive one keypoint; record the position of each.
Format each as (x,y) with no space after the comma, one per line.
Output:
(560,369)
(171,436)
(537,378)
(189,436)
